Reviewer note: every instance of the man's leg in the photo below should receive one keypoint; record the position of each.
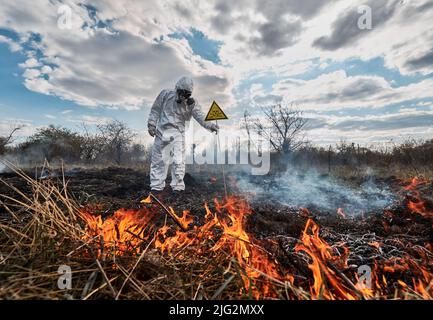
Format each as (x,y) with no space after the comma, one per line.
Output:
(178,166)
(159,165)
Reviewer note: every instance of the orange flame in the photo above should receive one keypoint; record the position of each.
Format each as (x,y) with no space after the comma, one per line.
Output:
(416,204)
(124,231)
(225,231)
(322,256)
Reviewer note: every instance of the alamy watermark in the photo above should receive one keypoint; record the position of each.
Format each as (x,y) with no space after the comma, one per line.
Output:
(365,21)
(64,20)
(64,282)
(364,277)
(206,149)
(65,15)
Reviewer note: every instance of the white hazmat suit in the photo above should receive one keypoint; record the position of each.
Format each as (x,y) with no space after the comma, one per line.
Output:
(168,118)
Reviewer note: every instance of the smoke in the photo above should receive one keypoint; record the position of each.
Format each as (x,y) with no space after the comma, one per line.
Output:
(315,191)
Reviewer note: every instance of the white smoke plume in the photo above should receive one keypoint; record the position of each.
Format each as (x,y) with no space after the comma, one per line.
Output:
(315,191)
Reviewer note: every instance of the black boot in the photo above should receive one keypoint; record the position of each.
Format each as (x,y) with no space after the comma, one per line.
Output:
(161,195)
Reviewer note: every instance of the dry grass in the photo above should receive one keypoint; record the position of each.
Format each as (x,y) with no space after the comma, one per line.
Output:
(46,230)
(361,172)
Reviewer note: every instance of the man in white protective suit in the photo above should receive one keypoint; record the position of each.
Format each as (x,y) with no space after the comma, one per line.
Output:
(170,113)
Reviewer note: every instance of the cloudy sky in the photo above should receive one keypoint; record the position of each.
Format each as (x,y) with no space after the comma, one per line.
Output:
(111,61)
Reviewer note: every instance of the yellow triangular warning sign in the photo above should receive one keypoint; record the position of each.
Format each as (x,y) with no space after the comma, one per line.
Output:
(215,113)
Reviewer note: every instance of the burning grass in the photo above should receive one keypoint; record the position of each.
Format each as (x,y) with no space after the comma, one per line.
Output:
(143,254)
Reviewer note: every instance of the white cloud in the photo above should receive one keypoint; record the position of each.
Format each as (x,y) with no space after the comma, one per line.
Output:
(27,127)
(89,120)
(31,74)
(127,62)
(370,128)
(125,68)
(30,63)
(401,34)
(46,70)
(123,65)
(13,46)
(337,90)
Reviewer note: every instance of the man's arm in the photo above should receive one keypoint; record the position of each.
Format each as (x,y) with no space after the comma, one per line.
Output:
(199,116)
(155,111)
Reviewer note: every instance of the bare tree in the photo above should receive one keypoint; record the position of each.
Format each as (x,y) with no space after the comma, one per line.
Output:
(52,143)
(280,125)
(4,141)
(118,137)
(93,144)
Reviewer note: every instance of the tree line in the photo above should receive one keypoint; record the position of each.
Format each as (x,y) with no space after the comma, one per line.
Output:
(107,144)
(284,126)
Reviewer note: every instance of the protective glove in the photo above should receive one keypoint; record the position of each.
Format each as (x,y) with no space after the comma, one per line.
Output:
(152,130)
(214,127)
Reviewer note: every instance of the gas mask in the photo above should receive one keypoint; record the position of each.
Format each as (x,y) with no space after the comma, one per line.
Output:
(184,95)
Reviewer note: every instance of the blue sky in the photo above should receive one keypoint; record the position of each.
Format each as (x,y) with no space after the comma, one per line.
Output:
(19,103)
(367,86)
(200,44)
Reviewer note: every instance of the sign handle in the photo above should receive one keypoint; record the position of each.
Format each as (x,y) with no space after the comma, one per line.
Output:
(222,165)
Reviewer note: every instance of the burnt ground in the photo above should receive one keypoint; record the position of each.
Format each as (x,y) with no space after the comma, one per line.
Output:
(393,237)
(110,189)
